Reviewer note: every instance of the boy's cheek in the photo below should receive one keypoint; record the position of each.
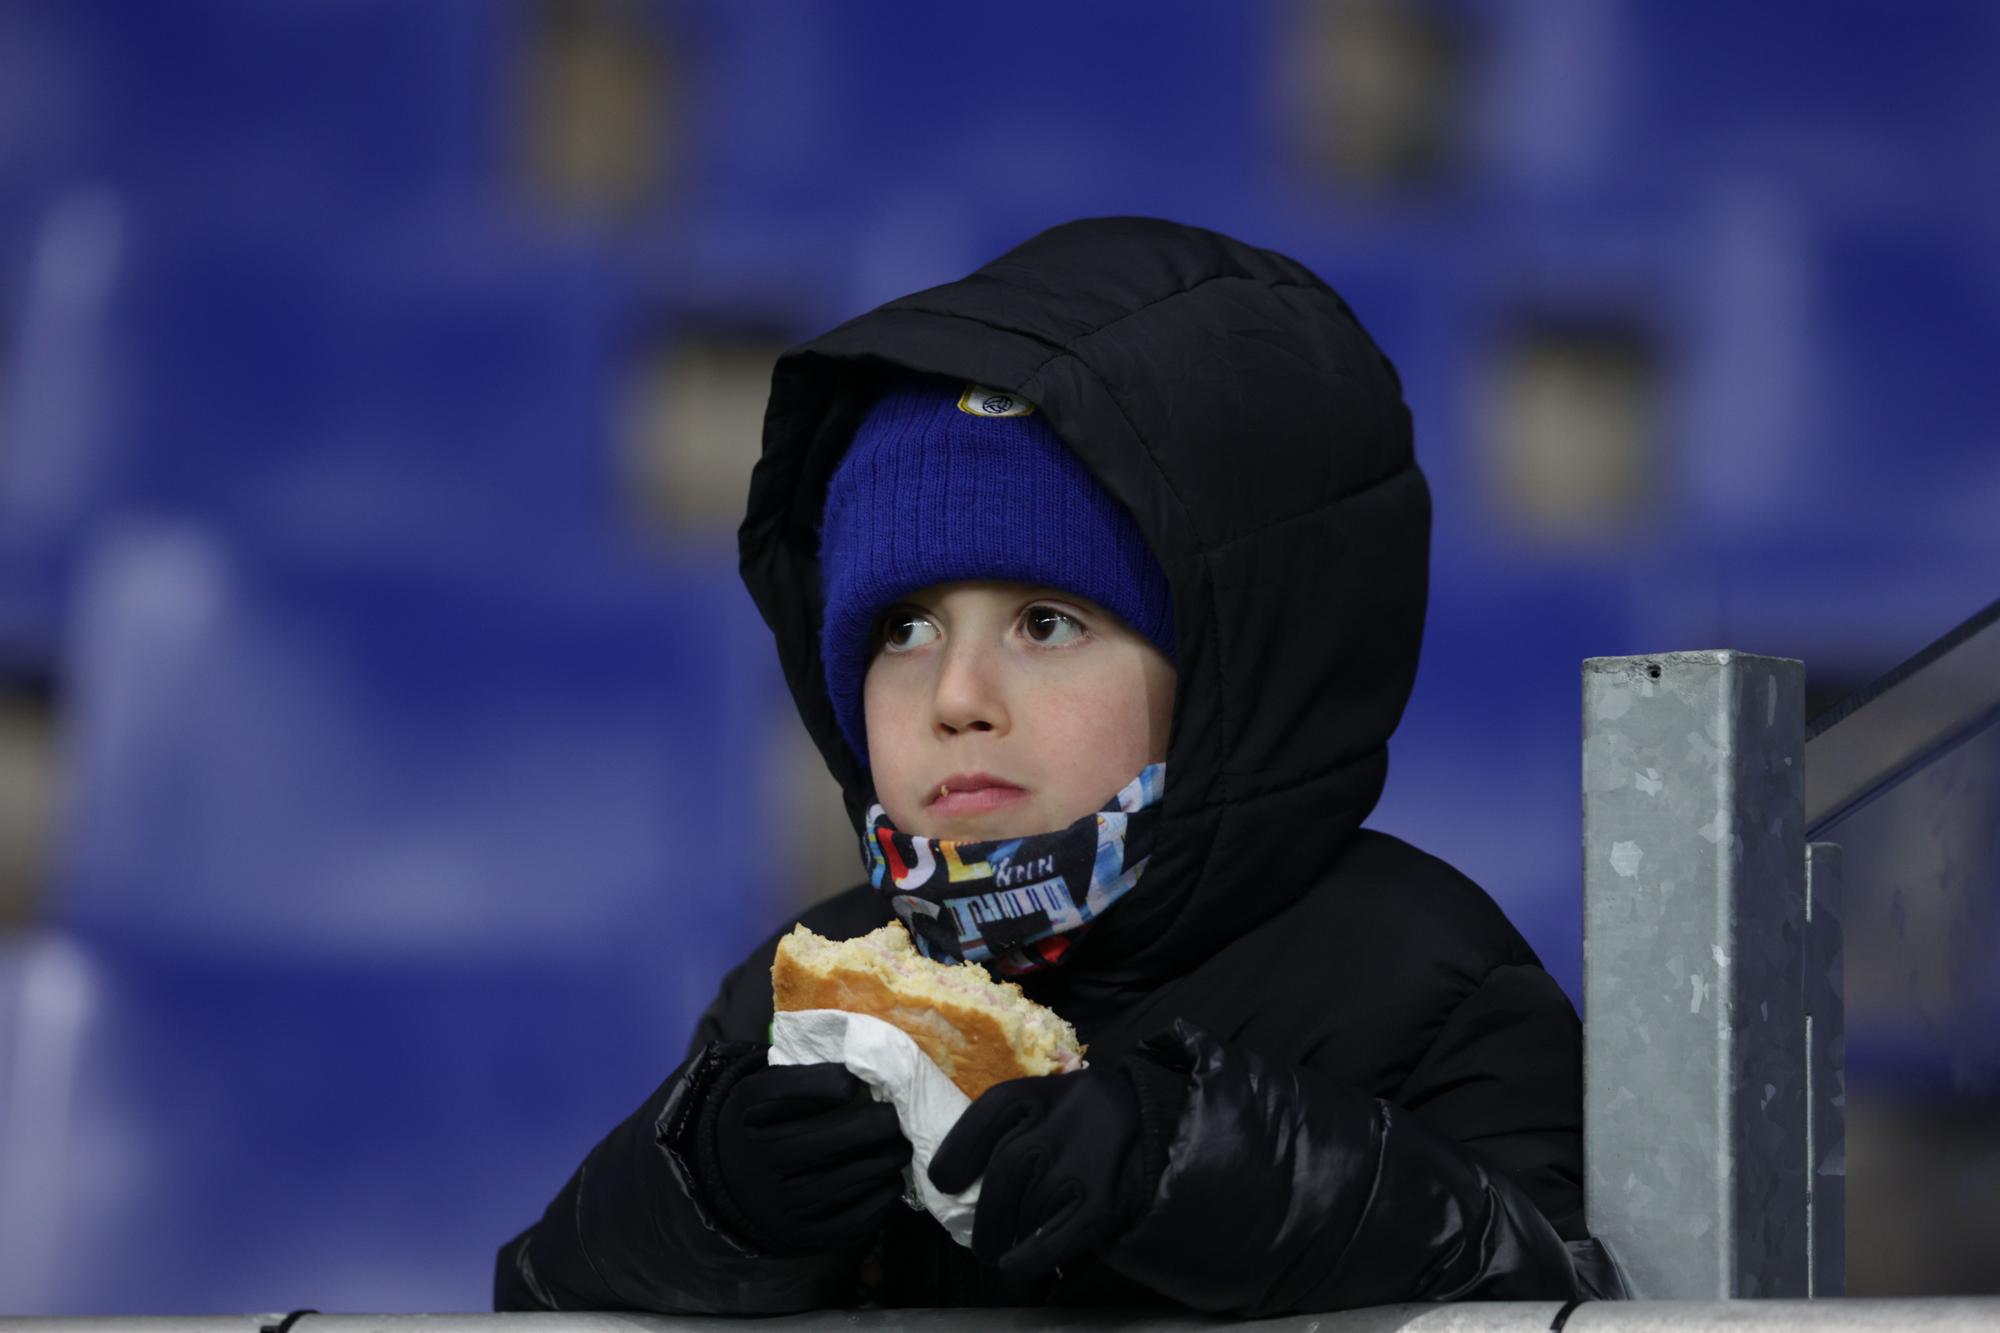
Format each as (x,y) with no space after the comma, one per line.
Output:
(1088,747)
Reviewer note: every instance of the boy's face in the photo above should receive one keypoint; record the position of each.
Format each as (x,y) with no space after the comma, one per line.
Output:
(997,710)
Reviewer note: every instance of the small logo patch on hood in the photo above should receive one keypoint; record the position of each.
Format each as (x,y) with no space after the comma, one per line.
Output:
(980,401)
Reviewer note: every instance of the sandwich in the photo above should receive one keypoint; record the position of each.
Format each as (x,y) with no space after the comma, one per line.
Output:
(977,1030)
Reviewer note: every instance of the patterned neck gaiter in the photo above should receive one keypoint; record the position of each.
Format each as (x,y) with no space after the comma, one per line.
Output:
(1020,903)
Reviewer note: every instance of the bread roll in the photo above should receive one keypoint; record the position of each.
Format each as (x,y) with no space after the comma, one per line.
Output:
(977,1030)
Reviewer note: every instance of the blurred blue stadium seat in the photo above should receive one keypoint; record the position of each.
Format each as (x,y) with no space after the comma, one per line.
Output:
(870,159)
(199,1132)
(231,101)
(1827,101)
(291,749)
(447,383)
(435,387)
(125,131)
(380,894)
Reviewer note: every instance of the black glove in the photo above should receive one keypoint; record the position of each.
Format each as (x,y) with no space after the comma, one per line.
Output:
(1063,1165)
(796,1159)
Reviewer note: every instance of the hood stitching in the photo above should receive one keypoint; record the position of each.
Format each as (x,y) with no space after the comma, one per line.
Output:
(1115,320)
(1321,507)
(963,317)
(1360,381)
(1333,769)
(1070,346)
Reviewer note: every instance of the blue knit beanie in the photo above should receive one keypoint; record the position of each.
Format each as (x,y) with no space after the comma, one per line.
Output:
(947,481)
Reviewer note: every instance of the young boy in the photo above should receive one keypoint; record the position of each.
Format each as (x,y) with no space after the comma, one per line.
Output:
(1126,521)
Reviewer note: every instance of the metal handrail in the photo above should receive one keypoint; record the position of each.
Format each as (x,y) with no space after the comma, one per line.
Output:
(1945,1314)
(1868,743)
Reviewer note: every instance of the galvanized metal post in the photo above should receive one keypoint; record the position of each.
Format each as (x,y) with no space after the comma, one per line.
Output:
(1826,1074)
(1695,1086)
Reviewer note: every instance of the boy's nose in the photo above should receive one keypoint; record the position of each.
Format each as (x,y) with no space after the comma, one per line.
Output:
(968,695)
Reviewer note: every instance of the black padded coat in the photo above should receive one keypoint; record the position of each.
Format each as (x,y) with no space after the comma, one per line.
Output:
(1384,1085)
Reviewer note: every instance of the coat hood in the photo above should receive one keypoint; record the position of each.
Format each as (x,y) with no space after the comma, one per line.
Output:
(1231,401)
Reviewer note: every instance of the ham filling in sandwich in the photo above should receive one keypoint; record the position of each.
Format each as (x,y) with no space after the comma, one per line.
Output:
(977,1030)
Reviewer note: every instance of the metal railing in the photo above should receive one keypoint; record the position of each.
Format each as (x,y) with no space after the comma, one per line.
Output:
(1714,962)
(1941,1315)
(1875,740)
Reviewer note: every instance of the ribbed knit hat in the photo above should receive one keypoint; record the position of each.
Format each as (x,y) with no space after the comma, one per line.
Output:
(947,481)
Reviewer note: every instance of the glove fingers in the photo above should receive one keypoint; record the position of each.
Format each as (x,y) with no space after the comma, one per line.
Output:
(830,1227)
(963,1156)
(1061,1230)
(858,1131)
(852,1198)
(830,1177)
(793,1092)
(997,1223)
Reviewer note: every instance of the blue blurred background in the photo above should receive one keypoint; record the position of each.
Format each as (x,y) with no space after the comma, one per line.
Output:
(390,762)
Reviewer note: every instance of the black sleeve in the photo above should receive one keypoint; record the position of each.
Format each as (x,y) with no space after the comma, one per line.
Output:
(1504,1077)
(1287,1191)
(630,1230)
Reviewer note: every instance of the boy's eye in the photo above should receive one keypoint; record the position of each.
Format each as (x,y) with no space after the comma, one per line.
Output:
(1047,625)
(904,630)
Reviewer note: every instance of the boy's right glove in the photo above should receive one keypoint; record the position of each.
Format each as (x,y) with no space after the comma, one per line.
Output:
(1057,1159)
(797,1159)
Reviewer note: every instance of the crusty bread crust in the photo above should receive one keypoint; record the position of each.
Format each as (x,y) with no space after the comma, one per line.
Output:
(967,1043)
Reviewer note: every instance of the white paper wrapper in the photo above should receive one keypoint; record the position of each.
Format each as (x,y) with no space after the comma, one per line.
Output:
(927,1103)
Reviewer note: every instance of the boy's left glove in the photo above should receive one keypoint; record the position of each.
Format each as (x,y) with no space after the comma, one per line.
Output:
(1069,1161)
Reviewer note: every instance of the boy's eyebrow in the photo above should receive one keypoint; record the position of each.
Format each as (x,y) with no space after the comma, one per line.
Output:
(925,599)
(1064,595)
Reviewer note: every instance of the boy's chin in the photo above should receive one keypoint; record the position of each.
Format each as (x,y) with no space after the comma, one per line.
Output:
(996,827)
(966,831)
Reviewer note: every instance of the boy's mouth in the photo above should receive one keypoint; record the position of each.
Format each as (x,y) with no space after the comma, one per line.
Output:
(972,794)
